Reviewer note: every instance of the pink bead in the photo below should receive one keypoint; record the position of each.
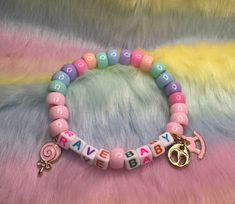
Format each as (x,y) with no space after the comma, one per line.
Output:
(55,98)
(58,126)
(178,108)
(117,158)
(146,63)
(57,112)
(177,97)
(81,66)
(180,118)
(174,128)
(90,60)
(136,57)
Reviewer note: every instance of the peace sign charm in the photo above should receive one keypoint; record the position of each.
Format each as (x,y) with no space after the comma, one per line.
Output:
(179,155)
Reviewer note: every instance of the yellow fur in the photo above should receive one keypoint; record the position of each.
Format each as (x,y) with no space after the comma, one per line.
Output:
(6,79)
(203,63)
(223,8)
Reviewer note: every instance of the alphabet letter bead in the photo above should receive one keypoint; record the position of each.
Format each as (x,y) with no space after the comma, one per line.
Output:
(54,99)
(89,153)
(157,69)
(180,118)
(90,60)
(58,126)
(61,76)
(125,57)
(81,66)
(157,148)
(178,108)
(177,97)
(131,159)
(144,154)
(57,86)
(70,70)
(174,128)
(166,139)
(117,158)
(164,79)
(65,138)
(77,145)
(102,159)
(136,58)
(112,55)
(102,60)
(57,112)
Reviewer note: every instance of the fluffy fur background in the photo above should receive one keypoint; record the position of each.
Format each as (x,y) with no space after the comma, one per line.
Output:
(119,106)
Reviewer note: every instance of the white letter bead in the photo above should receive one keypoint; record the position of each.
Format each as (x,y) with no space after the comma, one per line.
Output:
(89,153)
(65,138)
(131,159)
(157,148)
(102,159)
(77,145)
(144,154)
(166,139)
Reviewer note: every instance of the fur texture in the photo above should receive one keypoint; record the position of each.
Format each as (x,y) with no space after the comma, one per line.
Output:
(119,106)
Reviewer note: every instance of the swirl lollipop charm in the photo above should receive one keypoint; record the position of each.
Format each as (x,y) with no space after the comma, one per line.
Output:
(49,153)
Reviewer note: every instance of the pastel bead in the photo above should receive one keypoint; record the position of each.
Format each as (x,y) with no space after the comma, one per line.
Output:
(58,126)
(157,148)
(102,60)
(55,98)
(112,55)
(145,155)
(136,57)
(125,57)
(146,63)
(131,159)
(166,139)
(78,145)
(65,138)
(174,128)
(89,153)
(102,159)
(180,118)
(164,79)
(61,76)
(70,70)
(177,97)
(117,158)
(57,86)
(90,60)
(57,112)
(157,69)
(81,66)
(178,107)
(172,88)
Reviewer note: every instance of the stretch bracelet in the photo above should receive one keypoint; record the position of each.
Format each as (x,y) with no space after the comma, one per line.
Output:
(172,139)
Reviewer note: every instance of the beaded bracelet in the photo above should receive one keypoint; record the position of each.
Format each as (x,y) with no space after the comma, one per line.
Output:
(179,153)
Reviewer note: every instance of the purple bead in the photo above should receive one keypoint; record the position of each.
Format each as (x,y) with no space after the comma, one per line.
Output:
(172,88)
(70,70)
(125,57)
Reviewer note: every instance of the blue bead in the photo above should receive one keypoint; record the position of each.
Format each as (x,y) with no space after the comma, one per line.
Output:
(164,79)
(112,56)
(61,76)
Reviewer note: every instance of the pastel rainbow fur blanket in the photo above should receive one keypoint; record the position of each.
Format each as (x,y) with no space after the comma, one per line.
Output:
(120,106)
